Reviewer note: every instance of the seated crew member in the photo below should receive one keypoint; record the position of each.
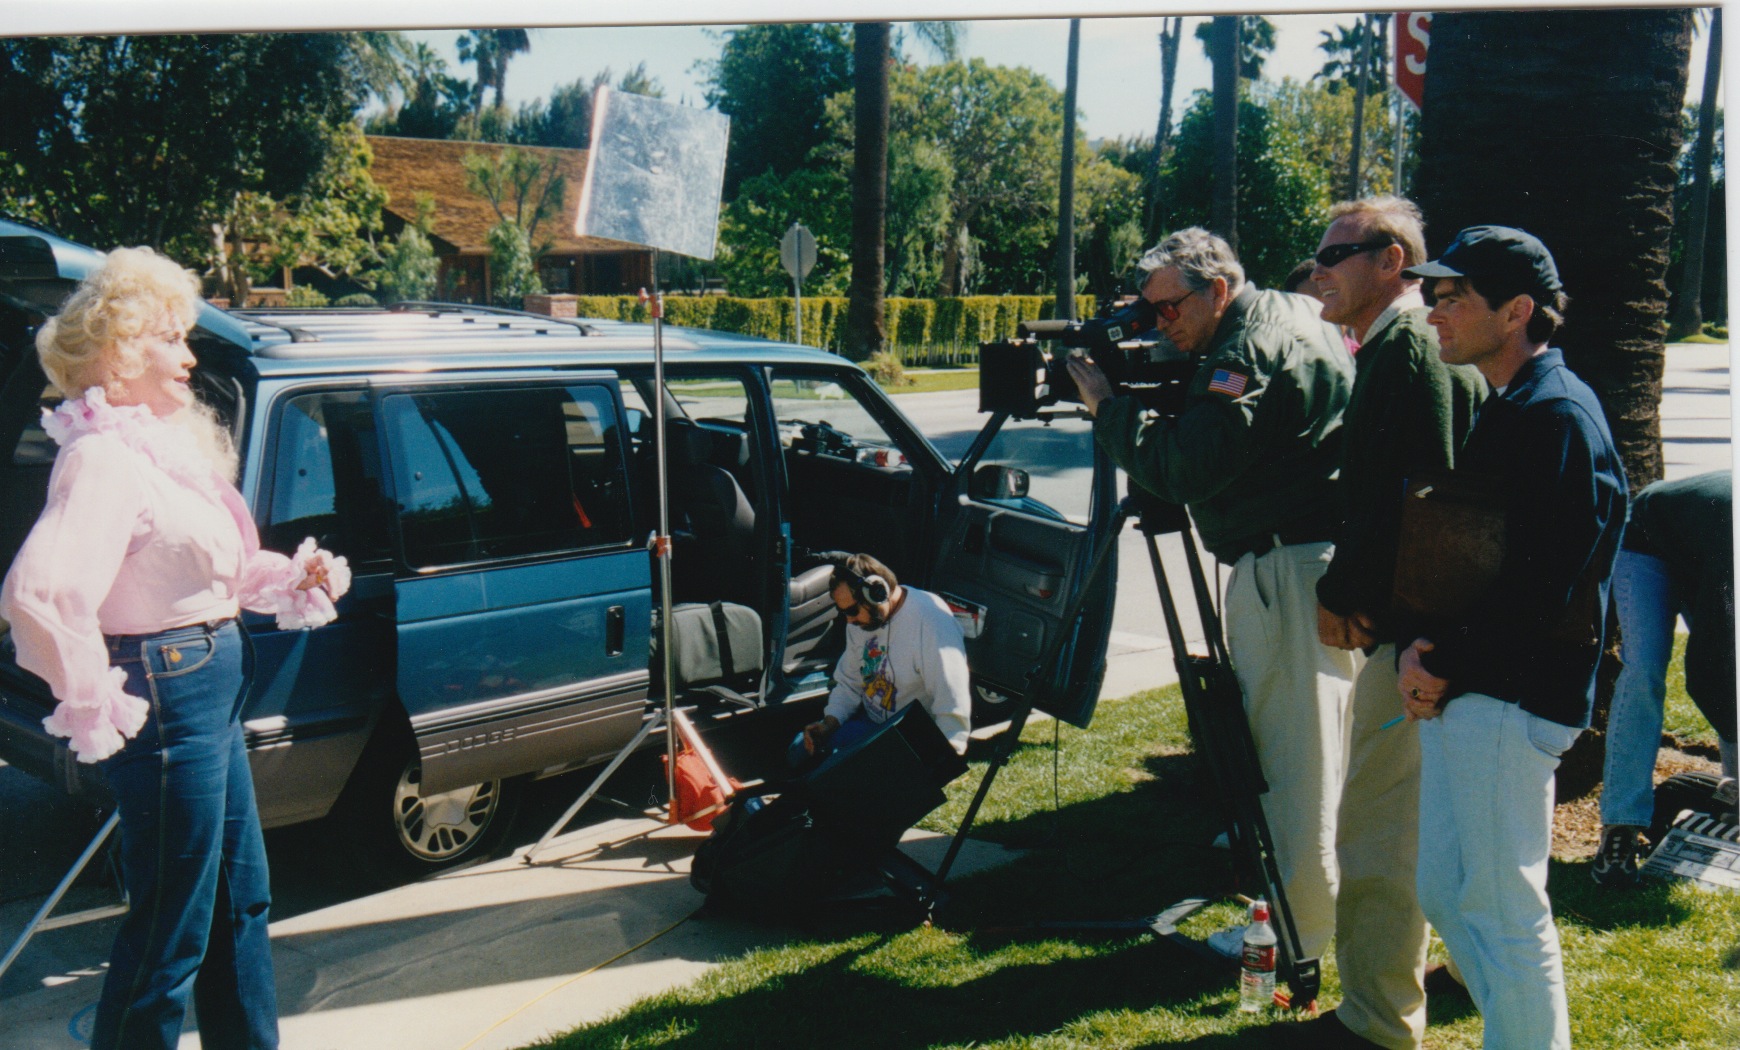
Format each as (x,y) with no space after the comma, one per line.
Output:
(902,646)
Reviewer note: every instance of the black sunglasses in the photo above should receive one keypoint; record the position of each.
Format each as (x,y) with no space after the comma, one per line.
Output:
(1336,254)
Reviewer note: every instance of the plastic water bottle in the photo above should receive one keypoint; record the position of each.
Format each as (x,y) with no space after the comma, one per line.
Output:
(1257,967)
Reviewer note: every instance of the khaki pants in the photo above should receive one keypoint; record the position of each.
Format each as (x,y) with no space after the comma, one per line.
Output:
(1380,934)
(1296,700)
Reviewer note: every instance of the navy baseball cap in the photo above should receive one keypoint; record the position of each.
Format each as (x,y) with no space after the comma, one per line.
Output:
(1502,260)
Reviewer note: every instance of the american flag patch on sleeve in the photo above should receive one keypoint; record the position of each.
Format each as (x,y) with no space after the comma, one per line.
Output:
(1226,381)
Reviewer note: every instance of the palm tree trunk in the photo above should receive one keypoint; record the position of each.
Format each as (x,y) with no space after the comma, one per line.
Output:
(1170,33)
(1688,300)
(1066,184)
(1224,209)
(1567,124)
(1366,30)
(865,335)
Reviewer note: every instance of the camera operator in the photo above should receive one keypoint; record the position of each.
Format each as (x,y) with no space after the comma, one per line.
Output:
(1253,454)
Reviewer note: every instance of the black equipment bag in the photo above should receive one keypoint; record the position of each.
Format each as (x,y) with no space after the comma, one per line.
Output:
(764,856)
(774,854)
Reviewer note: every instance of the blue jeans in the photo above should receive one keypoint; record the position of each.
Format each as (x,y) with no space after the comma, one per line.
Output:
(1647,605)
(1486,828)
(851,732)
(192,857)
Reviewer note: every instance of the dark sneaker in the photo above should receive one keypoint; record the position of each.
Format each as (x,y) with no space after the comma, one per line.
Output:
(1616,860)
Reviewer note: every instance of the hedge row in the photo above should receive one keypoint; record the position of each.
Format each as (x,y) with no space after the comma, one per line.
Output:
(920,331)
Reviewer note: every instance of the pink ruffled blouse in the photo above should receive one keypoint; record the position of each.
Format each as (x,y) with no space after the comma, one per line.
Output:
(140,534)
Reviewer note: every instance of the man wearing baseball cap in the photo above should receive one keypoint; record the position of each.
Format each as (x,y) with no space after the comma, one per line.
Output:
(1500,689)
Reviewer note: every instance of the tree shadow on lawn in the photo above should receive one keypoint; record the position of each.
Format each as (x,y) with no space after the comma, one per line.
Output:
(851,1002)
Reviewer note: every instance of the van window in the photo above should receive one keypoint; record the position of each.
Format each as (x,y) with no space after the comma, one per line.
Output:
(326,478)
(482,475)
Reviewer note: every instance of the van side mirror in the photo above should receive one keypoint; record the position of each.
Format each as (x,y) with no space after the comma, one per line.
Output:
(995,481)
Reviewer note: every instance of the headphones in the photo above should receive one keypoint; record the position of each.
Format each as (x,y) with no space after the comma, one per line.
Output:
(870,587)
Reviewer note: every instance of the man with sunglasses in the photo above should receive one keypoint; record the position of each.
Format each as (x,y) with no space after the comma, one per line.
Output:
(1254,454)
(1409,413)
(903,646)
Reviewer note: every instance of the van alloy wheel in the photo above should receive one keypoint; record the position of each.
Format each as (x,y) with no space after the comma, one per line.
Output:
(444,825)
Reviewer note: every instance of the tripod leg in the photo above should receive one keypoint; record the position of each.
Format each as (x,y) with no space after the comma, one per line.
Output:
(1036,681)
(41,920)
(657,720)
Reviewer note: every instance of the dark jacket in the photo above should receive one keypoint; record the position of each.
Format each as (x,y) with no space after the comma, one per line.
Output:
(1410,412)
(1536,634)
(1255,450)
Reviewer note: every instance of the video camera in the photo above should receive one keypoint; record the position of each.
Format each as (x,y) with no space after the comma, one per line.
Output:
(1021,376)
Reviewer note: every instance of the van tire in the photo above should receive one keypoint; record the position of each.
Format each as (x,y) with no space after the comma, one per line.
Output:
(397,834)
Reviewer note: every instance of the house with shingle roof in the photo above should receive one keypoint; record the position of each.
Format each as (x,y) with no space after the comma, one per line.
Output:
(407,167)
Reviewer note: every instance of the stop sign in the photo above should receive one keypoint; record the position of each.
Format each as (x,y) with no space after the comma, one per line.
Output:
(1413,33)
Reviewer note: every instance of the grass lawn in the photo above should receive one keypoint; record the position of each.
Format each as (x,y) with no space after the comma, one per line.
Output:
(1122,833)
(931,381)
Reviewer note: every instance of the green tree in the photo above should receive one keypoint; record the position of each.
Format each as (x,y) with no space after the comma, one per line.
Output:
(524,188)
(773,81)
(410,270)
(1001,130)
(1283,195)
(512,265)
(149,139)
(752,223)
(329,225)
(1358,60)
(434,101)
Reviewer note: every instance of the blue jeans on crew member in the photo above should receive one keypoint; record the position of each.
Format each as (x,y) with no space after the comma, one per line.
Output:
(192,856)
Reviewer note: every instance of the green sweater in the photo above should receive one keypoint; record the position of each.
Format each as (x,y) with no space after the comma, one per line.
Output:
(1256,448)
(1410,412)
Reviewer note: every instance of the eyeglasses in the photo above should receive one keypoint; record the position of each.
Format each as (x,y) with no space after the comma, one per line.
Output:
(850,612)
(1168,308)
(1336,254)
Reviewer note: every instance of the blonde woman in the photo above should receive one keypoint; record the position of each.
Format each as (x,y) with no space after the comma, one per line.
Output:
(124,600)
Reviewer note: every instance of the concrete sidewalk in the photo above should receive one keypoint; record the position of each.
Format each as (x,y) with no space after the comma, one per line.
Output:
(488,958)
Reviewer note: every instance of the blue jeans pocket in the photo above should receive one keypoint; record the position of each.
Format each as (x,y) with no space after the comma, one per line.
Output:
(173,656)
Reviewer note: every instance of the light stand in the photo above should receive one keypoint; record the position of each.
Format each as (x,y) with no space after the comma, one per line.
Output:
(41,920)
(665,716)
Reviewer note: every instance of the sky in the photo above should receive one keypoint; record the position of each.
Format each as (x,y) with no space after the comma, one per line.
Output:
(1119,79)
(1119,90)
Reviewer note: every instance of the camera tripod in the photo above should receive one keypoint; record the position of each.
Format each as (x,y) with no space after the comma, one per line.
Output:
(1214,705)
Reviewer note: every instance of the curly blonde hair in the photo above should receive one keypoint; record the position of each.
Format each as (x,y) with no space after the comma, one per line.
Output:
(89,342)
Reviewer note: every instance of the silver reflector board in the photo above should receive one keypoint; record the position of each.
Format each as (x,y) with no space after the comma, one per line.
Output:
(654,174)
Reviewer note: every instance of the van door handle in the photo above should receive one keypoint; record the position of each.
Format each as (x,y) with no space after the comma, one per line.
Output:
(614,621)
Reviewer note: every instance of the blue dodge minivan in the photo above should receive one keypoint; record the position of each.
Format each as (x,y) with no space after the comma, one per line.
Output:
(492,477)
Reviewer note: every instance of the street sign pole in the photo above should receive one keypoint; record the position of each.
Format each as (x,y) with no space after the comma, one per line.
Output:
(797,253)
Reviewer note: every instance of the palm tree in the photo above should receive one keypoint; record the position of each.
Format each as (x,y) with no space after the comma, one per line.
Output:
(1688,301)
(1171,31)
(1066,184)
(871,54)
(1224,52)
(492,50)
(1568,124)
(1358,59)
